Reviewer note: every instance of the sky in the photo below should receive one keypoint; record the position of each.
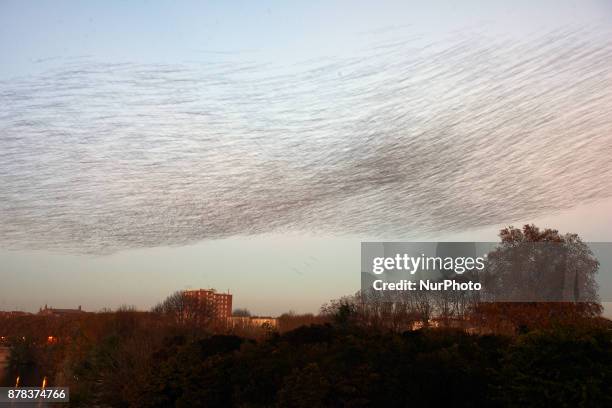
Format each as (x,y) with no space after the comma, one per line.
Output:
(32,33)
(155,146)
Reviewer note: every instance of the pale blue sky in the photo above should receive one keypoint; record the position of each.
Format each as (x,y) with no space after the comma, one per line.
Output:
(268,273)
(164,31)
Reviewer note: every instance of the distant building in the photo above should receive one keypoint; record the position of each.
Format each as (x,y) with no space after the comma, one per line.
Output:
(255,321)
(49,311)
(220,303)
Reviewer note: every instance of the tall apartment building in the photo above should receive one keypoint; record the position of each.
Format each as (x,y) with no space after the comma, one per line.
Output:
(221,303)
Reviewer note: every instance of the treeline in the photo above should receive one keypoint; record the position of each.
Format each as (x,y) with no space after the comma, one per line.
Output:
(338,366)
(412,311)
(56,346)
(137,359)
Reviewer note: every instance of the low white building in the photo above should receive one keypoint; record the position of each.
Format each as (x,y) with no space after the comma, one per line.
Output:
(254,321)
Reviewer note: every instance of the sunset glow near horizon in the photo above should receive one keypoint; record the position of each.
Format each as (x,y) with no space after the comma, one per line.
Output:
(146,152)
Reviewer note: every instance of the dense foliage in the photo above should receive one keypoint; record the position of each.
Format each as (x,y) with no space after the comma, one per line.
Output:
(332,366)
(134,361)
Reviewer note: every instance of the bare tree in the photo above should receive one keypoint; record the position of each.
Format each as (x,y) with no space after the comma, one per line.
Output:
(186,309)
(241,313)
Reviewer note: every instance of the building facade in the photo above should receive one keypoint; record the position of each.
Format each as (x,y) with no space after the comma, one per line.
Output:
(255,321)
(49,311)
(220,303)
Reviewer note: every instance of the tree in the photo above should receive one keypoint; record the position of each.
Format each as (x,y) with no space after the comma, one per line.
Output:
(535,278)
(565,366)
(540,265)
(186,309)
(241,313)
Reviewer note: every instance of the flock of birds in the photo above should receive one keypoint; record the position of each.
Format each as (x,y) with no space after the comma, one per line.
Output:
(401,138)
